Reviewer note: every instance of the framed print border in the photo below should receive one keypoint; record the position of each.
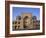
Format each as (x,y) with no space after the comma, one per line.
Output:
(7,18)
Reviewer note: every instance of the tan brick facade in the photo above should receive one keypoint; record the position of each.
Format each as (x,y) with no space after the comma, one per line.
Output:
(25,22)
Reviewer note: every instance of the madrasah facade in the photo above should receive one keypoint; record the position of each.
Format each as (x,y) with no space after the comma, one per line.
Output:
(25,21)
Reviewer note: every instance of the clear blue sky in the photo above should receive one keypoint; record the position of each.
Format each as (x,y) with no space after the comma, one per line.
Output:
(18,10)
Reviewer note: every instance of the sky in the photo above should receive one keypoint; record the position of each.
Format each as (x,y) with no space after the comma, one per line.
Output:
(16,11)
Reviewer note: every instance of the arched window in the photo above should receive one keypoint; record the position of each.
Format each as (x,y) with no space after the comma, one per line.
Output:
(18,22)
(18,26)
(15,27)
(25,17)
